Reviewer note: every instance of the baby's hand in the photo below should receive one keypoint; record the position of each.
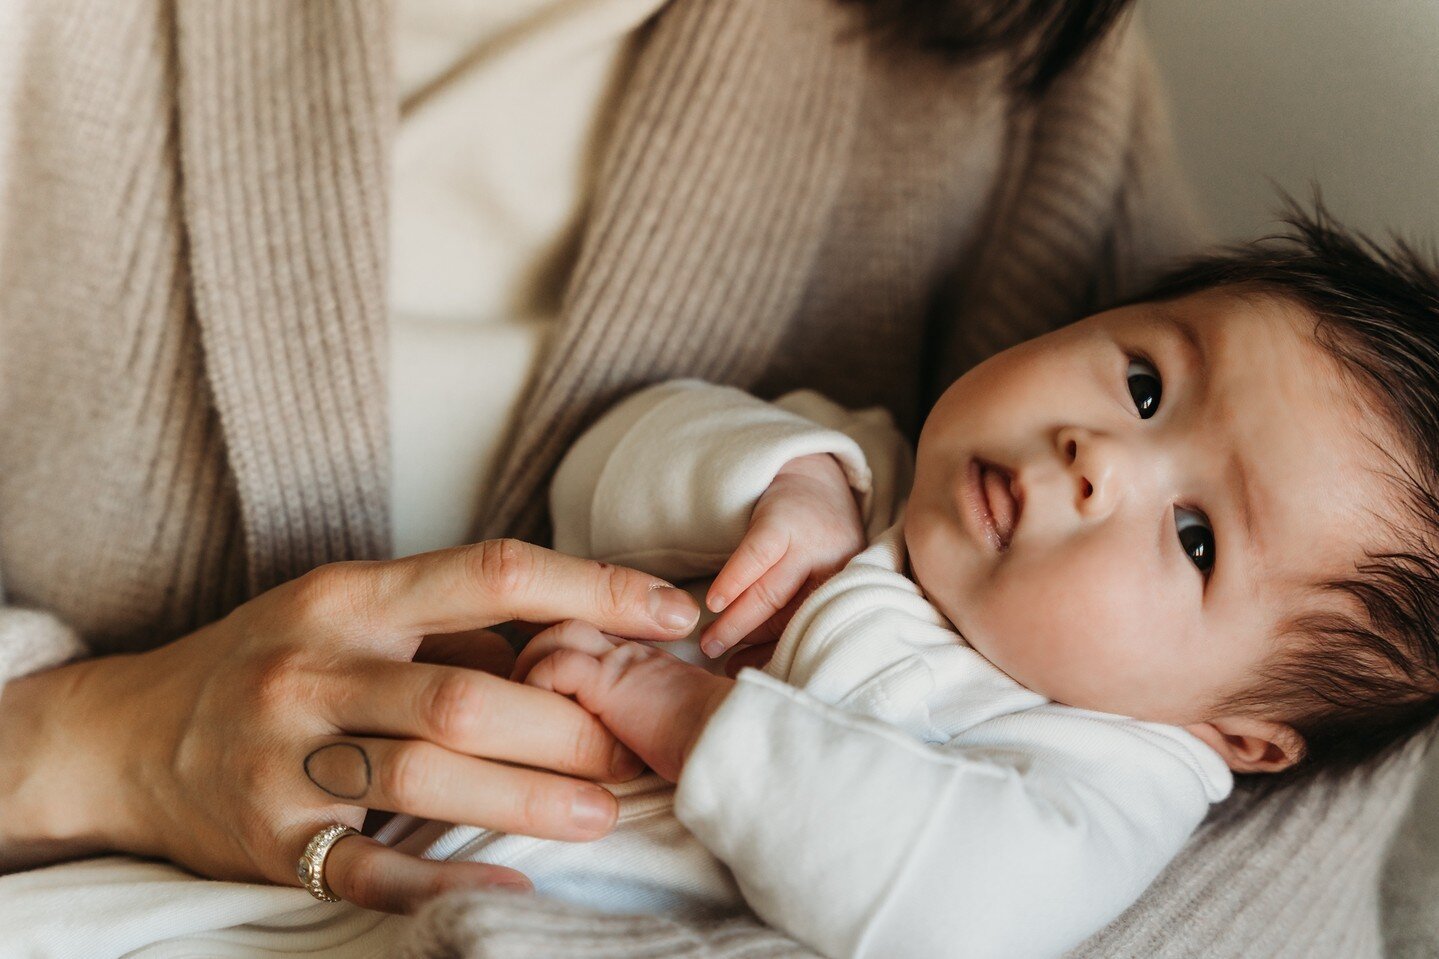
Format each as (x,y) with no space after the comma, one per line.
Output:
(803,530)
(655,704)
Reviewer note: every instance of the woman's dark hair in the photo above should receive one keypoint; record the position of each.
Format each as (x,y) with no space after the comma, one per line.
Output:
(1049,36)
(1359,682)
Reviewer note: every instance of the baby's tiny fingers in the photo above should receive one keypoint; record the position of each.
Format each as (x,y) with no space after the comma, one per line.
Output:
(569,672)
(770,631)
(757,553)
(571,634)
(757,604)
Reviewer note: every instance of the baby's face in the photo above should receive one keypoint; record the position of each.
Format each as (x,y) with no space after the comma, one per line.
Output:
(1140,562)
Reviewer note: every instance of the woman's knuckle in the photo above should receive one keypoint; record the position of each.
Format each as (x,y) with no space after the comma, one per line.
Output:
(540,807)
(407,773)
(335,591)
(621,592)
(591,748)
(363,879)
(455,704)
(440,882)
(500,566)
(276,679)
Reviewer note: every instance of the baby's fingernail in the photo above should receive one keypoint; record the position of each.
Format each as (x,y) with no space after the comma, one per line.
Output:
(672,608)
(717,604)
(712,648)
(624,764)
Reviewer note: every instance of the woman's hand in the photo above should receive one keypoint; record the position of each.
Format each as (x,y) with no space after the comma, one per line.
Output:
(226,750)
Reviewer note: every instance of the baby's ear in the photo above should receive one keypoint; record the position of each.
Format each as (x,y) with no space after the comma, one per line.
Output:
(1252,745)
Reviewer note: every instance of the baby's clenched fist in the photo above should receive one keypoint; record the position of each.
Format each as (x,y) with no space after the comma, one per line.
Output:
(655,704)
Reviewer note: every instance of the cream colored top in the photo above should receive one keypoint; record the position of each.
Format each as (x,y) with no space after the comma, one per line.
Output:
(502,109)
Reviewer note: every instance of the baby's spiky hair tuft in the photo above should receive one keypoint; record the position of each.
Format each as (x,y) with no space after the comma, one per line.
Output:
(1356,684)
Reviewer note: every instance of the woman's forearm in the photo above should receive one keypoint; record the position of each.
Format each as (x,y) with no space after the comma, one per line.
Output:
(59,794)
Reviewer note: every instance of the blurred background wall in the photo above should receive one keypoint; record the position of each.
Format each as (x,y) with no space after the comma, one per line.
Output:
(1345,92)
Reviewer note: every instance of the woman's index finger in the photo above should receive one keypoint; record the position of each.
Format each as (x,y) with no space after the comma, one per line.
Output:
(481,584)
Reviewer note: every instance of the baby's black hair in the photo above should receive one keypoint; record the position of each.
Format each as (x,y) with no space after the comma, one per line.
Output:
(1356,684)
(1048,36)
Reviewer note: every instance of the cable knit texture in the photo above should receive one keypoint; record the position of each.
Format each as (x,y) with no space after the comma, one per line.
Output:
(192,316)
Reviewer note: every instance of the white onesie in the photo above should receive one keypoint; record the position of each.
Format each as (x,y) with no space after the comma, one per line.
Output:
(881,789)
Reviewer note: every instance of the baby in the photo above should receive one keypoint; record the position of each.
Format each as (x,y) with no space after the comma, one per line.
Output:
(1190,536)
(1185,538)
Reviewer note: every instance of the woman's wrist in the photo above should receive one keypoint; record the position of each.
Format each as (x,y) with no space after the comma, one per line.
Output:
(61,764)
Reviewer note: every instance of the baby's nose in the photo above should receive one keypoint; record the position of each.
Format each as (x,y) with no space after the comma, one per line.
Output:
(1092,461)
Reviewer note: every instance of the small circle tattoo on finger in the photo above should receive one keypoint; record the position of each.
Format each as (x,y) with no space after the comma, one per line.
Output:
(341,770)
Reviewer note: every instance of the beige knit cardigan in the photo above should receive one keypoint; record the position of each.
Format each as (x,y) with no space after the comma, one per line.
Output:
(193,333)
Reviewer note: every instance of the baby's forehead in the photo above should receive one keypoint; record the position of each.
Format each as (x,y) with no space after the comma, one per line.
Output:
(1262,342)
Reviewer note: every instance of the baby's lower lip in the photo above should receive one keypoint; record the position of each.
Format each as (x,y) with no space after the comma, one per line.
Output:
(974,505)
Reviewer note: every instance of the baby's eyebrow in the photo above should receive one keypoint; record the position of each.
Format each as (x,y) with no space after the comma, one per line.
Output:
(1197,353)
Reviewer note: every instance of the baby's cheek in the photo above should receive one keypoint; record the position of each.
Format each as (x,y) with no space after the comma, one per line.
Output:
(1062,627)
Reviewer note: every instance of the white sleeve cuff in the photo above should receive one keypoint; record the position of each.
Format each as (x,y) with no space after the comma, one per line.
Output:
(32,640)
(666,481)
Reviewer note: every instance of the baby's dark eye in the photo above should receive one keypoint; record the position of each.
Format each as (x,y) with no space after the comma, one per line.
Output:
(1196,537)
(1144,387)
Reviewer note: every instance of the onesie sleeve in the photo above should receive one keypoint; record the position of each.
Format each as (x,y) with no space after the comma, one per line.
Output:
(666,480)
(1020,840)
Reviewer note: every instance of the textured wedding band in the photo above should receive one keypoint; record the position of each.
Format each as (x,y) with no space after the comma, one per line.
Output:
(310,870)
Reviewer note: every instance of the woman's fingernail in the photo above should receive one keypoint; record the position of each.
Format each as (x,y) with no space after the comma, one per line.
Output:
(672,608)
(625,764)
(515,885)
(593,809)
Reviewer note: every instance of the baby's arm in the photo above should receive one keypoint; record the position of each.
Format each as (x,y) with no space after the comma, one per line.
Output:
(1021,840)
(685,479)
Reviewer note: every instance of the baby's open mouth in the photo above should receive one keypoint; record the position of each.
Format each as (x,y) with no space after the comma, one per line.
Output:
(999,500)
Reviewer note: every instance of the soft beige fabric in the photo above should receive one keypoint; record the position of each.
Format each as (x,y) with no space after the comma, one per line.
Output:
(193,320)
(503,110)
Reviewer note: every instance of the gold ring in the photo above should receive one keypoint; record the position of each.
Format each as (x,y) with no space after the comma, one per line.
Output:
(310,870)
